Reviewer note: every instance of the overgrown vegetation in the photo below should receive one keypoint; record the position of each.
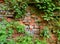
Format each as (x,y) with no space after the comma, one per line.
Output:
(45,32)
(18,7)
(7,30)
(48,7)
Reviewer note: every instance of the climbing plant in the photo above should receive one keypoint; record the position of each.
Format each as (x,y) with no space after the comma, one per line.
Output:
(18,7)
(48,7)
(45,32)
(29,40)
(7,30)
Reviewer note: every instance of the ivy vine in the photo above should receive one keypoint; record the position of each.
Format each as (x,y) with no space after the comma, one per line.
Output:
(47,6)
(18,7)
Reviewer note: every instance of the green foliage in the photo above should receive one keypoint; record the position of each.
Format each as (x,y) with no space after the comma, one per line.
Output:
(45,32)
(5,32)
(3,7)
(40,41)
(24,40)
(58,34)
(47,6)
(17,6)
(58,23)
(7,29)
(11,41)
(29,40)
(48,16)
(18,27)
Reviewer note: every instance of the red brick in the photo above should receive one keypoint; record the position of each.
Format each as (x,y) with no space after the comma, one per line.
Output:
(9,19)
